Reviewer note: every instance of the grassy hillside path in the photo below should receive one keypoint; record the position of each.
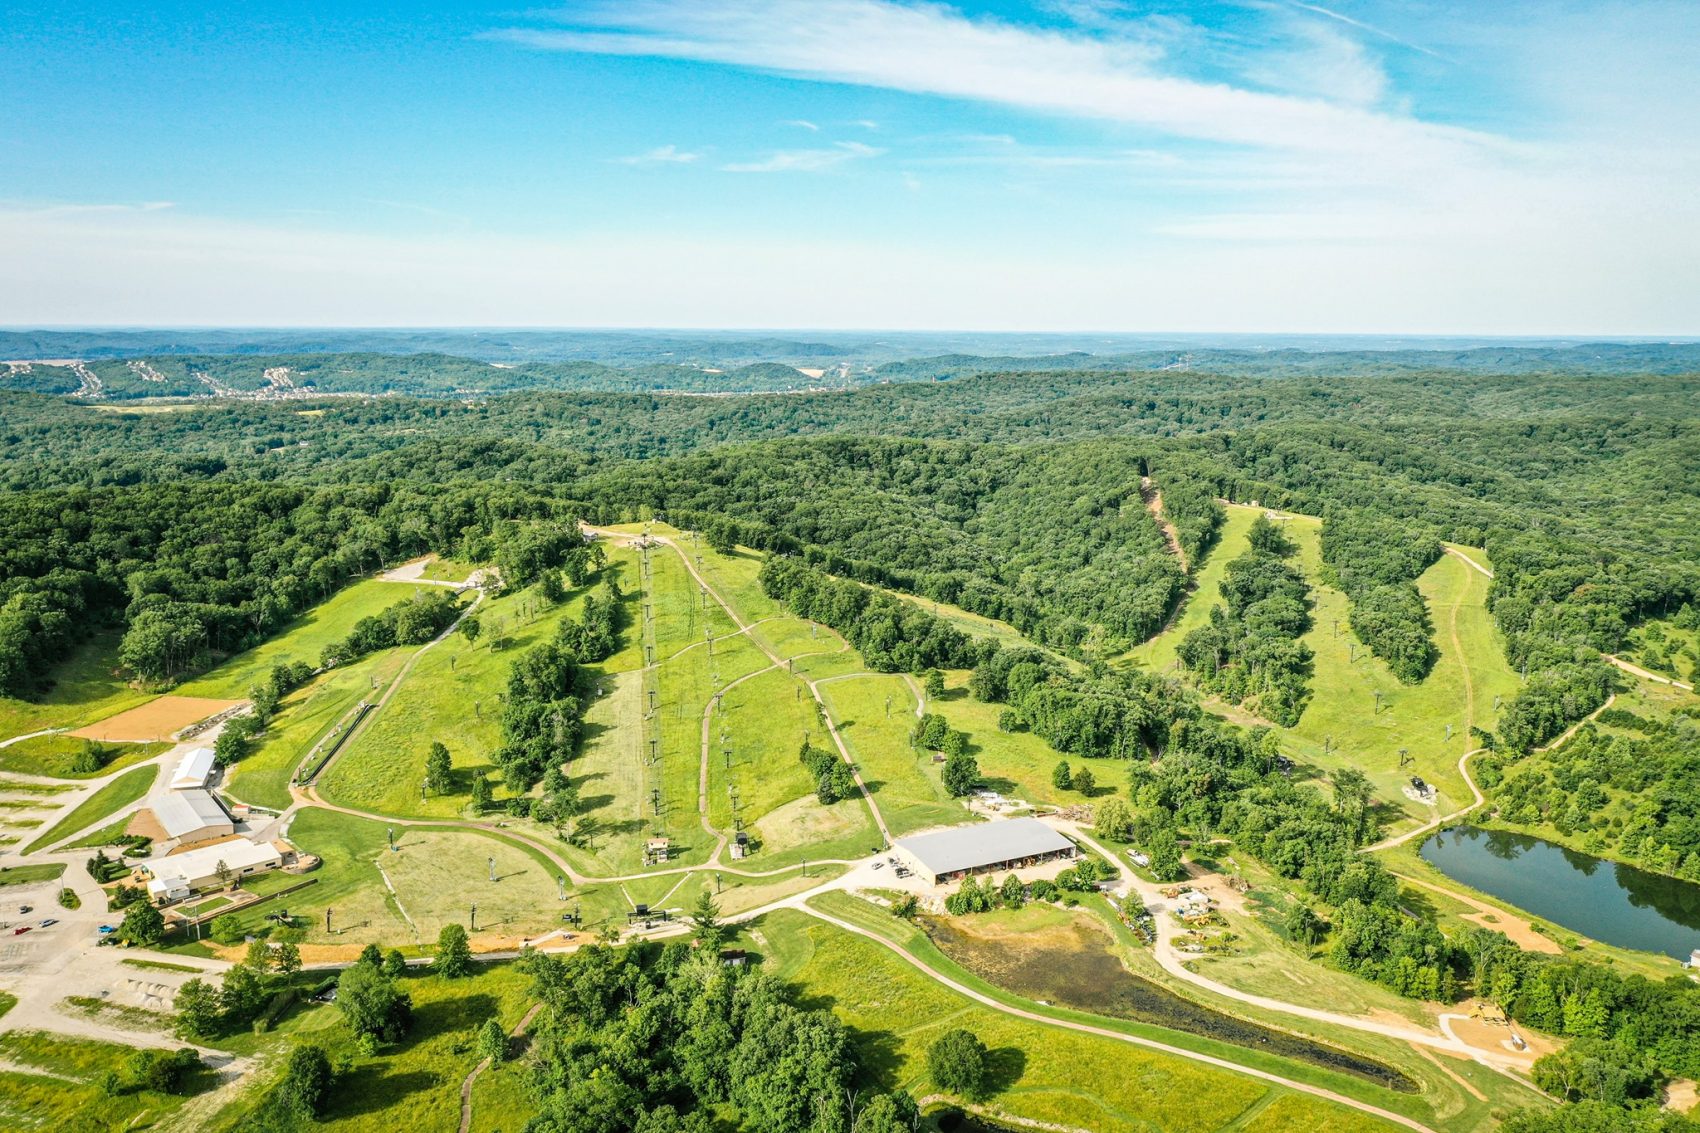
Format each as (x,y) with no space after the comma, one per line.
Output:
(466,1086)
(744,627)
(1166,955)
(400,679)
(1105,1032)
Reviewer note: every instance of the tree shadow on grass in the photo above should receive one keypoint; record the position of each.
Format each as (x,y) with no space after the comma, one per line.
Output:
(449,1015)
(1385,814)
(1004,1067)
(369,1088)
(879,1055)
(1418,903)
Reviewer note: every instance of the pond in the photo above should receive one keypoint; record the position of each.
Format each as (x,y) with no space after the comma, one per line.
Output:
(1607,901)
(1075,965)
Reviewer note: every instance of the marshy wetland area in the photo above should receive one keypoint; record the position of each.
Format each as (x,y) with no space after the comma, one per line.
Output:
(1071,958)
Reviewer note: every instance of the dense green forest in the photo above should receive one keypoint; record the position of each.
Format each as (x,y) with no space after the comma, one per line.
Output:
(1624,786)
(197,530)
(196,570)
(1376,563)
(1585,492)
(1250,651)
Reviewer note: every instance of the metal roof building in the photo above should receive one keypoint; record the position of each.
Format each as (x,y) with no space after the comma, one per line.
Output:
(190,816)
(945,855)
(193,770)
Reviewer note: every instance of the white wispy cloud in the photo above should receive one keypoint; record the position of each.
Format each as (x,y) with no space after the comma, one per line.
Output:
(1372,29)
(1320,59)
(73,208)
(661,155)
(804,124)
(932,49)
(805,160)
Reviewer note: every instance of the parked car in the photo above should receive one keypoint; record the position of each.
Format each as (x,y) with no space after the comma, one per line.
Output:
(107,930)
(49,922)
(21,929)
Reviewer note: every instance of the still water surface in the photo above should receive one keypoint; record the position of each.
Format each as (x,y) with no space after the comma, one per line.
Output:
(1608,901)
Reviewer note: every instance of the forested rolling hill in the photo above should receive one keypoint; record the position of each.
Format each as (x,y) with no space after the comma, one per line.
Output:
(187,532)
(1585,490)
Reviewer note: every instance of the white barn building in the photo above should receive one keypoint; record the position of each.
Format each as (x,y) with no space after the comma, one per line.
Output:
(177,876)
(194,770)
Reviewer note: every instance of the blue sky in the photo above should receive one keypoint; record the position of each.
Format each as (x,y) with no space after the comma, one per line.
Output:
(1409,166)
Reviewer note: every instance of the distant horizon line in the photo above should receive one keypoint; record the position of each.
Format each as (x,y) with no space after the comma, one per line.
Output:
(1671,339)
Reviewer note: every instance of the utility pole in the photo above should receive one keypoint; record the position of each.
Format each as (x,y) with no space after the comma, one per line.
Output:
(474,917)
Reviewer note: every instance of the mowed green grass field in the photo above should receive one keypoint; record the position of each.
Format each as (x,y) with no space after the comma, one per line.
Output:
(685,686)
(797,640)
(1158,654)
(1341,725)
(453,696)
(1460,690)
(763,721)
(905,784)
(305,717)
(1041,1074)
(766,719)
(608,772)
(52,756)
(433,878)
(680,616)
(304,639)
(733,577)
(121,792)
